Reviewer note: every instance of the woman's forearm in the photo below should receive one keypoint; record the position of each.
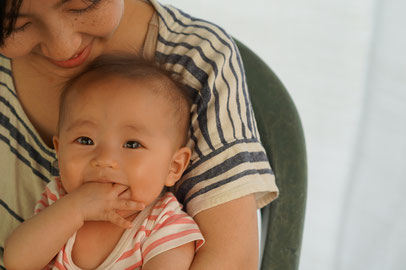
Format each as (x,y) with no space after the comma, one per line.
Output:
(37,240)
(231,234)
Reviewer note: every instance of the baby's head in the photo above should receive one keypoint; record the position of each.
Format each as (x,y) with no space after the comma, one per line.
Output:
(123,120)
(163,84)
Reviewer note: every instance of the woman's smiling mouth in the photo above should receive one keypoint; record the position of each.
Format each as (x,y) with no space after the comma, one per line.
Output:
(76,60)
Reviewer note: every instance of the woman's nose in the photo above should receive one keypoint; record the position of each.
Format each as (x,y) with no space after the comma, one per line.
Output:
(61,41)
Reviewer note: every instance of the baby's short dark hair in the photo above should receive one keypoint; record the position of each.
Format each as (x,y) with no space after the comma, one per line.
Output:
(164,83)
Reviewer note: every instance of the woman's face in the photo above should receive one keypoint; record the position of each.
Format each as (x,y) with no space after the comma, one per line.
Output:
(65,32)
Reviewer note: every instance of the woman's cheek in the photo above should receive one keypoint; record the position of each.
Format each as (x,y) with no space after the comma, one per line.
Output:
(19,45)
(106,21)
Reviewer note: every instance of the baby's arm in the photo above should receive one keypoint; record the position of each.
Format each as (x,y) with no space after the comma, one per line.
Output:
(174,237)
(37,240)
(174,259)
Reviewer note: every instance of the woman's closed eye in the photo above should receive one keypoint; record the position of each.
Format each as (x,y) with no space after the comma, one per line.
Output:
(132,144)
(89,6)
(21,28)
(85,140)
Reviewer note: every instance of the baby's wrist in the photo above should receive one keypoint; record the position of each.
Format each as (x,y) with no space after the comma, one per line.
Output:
(74,208)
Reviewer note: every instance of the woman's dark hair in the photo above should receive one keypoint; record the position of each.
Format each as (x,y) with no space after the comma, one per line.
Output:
(8,15)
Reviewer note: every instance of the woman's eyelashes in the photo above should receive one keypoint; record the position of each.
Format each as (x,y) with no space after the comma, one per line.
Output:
(85,140)
(93,4)
(21,28)
(132,144)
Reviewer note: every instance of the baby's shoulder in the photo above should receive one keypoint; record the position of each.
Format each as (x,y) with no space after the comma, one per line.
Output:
(167,203)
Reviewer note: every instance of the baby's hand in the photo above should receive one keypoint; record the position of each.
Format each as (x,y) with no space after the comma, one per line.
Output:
(125,195)
(101,201)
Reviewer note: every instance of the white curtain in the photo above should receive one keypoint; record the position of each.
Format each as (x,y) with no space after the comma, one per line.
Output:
(373,225)
(344,64)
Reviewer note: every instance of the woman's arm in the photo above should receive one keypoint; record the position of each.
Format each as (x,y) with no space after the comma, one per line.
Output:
(231,234)
(228,162)
(37,240)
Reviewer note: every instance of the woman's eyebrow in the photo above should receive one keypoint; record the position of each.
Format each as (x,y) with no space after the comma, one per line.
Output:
(9,16)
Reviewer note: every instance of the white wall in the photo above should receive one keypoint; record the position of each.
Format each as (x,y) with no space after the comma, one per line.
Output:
(343,64)
(373,225)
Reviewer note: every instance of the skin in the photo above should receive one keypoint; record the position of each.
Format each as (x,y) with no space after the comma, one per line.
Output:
(114,150)
(54,33)
(38,80)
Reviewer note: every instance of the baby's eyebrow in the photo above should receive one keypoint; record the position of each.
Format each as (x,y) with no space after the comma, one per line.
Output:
(80,123)
(139,129)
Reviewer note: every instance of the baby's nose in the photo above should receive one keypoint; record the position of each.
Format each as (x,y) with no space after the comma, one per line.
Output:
(104,159)
(104,163)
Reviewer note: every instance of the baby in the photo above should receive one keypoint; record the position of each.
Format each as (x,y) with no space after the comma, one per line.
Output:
(121,140)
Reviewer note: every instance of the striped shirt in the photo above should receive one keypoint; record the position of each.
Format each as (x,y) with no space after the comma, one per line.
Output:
(228,159)
(158,228)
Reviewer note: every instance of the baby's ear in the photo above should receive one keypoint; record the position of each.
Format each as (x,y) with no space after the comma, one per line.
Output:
(55,141)
(179,163)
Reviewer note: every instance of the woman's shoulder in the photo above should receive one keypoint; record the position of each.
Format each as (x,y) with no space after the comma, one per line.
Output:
(178,27)
(4,62)
(5,69)
(6,80)
(200,51)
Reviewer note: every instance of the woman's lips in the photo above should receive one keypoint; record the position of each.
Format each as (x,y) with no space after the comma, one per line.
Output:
(77,60)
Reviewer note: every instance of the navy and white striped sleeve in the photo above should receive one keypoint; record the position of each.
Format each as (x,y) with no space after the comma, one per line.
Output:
(228,159)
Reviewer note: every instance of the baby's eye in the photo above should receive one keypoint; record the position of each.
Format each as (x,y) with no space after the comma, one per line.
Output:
(85,141)
(132,144)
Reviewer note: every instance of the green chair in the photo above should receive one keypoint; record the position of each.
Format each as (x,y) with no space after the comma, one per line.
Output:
(282,136)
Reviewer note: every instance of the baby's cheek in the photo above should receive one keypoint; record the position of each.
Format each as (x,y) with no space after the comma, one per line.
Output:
(69,177)
(145,193)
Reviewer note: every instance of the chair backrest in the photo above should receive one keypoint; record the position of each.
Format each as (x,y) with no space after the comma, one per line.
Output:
(281,133)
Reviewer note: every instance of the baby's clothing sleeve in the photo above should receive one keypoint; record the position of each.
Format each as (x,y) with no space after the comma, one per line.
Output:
(53,191)
(169,227)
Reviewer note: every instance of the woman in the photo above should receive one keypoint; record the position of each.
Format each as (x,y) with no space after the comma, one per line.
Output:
(44,42)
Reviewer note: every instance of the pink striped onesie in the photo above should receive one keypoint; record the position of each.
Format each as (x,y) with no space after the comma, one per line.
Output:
(161,226)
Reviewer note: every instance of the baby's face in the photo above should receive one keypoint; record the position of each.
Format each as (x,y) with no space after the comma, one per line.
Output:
(115,130)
